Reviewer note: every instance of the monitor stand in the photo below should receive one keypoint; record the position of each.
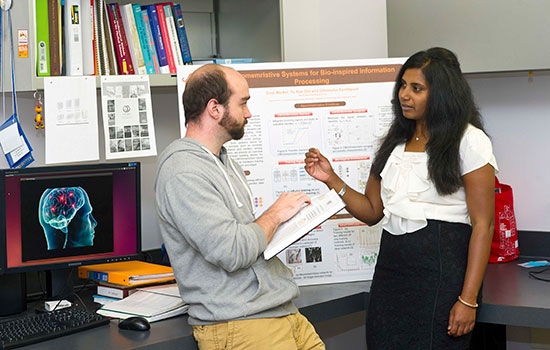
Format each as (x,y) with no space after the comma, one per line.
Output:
(13,293)
(59,284)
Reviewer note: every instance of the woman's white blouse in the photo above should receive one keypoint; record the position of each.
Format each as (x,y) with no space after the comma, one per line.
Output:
(409,196)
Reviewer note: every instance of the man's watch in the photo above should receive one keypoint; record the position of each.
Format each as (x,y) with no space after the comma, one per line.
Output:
(342,192)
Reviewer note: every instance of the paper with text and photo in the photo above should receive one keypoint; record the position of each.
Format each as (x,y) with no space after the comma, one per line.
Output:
(309,217)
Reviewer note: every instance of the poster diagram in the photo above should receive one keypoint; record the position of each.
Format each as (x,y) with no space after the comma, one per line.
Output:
(344,109)
(127,117)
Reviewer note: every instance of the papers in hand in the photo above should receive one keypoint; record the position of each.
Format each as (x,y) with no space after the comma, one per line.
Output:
(309,217)
(152,303)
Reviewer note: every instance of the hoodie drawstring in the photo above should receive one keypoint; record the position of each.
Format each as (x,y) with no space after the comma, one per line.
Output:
(217,161)
(244,184)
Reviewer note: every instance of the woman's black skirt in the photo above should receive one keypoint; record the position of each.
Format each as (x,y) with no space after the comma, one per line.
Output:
(417,280)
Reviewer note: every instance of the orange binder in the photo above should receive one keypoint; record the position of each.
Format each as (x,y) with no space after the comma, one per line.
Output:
(128,273)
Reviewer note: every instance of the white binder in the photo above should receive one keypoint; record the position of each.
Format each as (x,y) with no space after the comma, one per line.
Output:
(73,38)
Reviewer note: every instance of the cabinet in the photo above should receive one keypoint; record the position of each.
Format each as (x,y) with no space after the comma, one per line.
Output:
(487,36)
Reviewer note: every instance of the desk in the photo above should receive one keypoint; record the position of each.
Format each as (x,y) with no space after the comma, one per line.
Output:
(318,303)
(510,298)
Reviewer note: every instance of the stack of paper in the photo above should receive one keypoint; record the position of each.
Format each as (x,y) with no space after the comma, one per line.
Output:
(308,218)
(152,303)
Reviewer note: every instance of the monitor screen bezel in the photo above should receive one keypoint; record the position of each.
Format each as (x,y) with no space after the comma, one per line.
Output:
(4,269)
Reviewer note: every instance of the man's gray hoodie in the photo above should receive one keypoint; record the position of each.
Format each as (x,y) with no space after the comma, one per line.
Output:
(207,224)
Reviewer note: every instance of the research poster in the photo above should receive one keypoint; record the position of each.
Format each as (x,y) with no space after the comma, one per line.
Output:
(344,109)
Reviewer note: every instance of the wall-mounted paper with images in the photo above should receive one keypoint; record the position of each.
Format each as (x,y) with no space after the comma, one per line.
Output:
(70,115)
(127,117)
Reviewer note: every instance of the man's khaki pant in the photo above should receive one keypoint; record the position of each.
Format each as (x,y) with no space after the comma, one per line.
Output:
(292,332)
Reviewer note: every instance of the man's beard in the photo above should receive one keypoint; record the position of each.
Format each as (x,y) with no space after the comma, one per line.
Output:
(232,126)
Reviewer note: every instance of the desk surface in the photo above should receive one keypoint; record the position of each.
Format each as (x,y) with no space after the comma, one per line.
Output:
(318,303)
(510,297)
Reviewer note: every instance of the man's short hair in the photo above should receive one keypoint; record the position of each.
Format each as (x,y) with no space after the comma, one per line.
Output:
(208,82)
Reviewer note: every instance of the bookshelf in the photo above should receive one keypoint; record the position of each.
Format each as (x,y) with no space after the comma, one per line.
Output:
(209,35)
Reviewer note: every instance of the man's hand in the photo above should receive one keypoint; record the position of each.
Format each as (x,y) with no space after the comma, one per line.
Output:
(285,207)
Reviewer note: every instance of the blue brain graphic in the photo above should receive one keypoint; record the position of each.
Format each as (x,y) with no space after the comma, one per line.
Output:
(60,205)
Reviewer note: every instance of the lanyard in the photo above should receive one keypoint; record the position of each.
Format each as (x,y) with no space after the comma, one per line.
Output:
(14,90)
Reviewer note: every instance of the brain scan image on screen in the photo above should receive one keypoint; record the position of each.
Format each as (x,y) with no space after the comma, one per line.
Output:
(65,214)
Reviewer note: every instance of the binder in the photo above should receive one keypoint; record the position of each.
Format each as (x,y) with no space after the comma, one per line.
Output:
(54,20)
(128,273)
(73,38)
(87,20)
(42,39)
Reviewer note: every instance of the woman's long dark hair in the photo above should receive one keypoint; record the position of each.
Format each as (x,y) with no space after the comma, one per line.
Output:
(449,109)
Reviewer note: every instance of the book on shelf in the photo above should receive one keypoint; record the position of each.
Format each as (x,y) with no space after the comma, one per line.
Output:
(110,60)
(120,43)
(98,41)
(42,39)
(73,37)
(322,207)
(126,272)
(143,41)
(172,34)
(157,37)
(166,38)
(93,37)
(120,291)
(150,39)
(54,19)
(182,34)
(132,37)
(152,303)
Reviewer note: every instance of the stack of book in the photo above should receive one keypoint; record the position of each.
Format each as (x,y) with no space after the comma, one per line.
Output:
(152,303)
(118,280)
(92,37)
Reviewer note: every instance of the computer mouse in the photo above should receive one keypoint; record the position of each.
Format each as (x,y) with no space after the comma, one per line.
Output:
(135,324)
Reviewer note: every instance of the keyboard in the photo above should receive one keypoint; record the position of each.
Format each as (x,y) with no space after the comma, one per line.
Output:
(34,328)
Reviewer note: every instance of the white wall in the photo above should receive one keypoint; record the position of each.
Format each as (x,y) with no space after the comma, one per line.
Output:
(328,30)
(516,110)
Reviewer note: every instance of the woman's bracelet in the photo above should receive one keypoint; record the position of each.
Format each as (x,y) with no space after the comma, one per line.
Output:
(473,306)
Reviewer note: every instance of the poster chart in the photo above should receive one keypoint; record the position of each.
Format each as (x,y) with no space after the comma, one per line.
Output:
(70,119)
(127,117)
(341,107)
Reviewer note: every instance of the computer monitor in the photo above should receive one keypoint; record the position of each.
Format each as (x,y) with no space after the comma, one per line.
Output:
(56,217)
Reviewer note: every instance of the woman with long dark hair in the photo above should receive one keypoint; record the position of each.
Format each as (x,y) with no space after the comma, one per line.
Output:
(432,186)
